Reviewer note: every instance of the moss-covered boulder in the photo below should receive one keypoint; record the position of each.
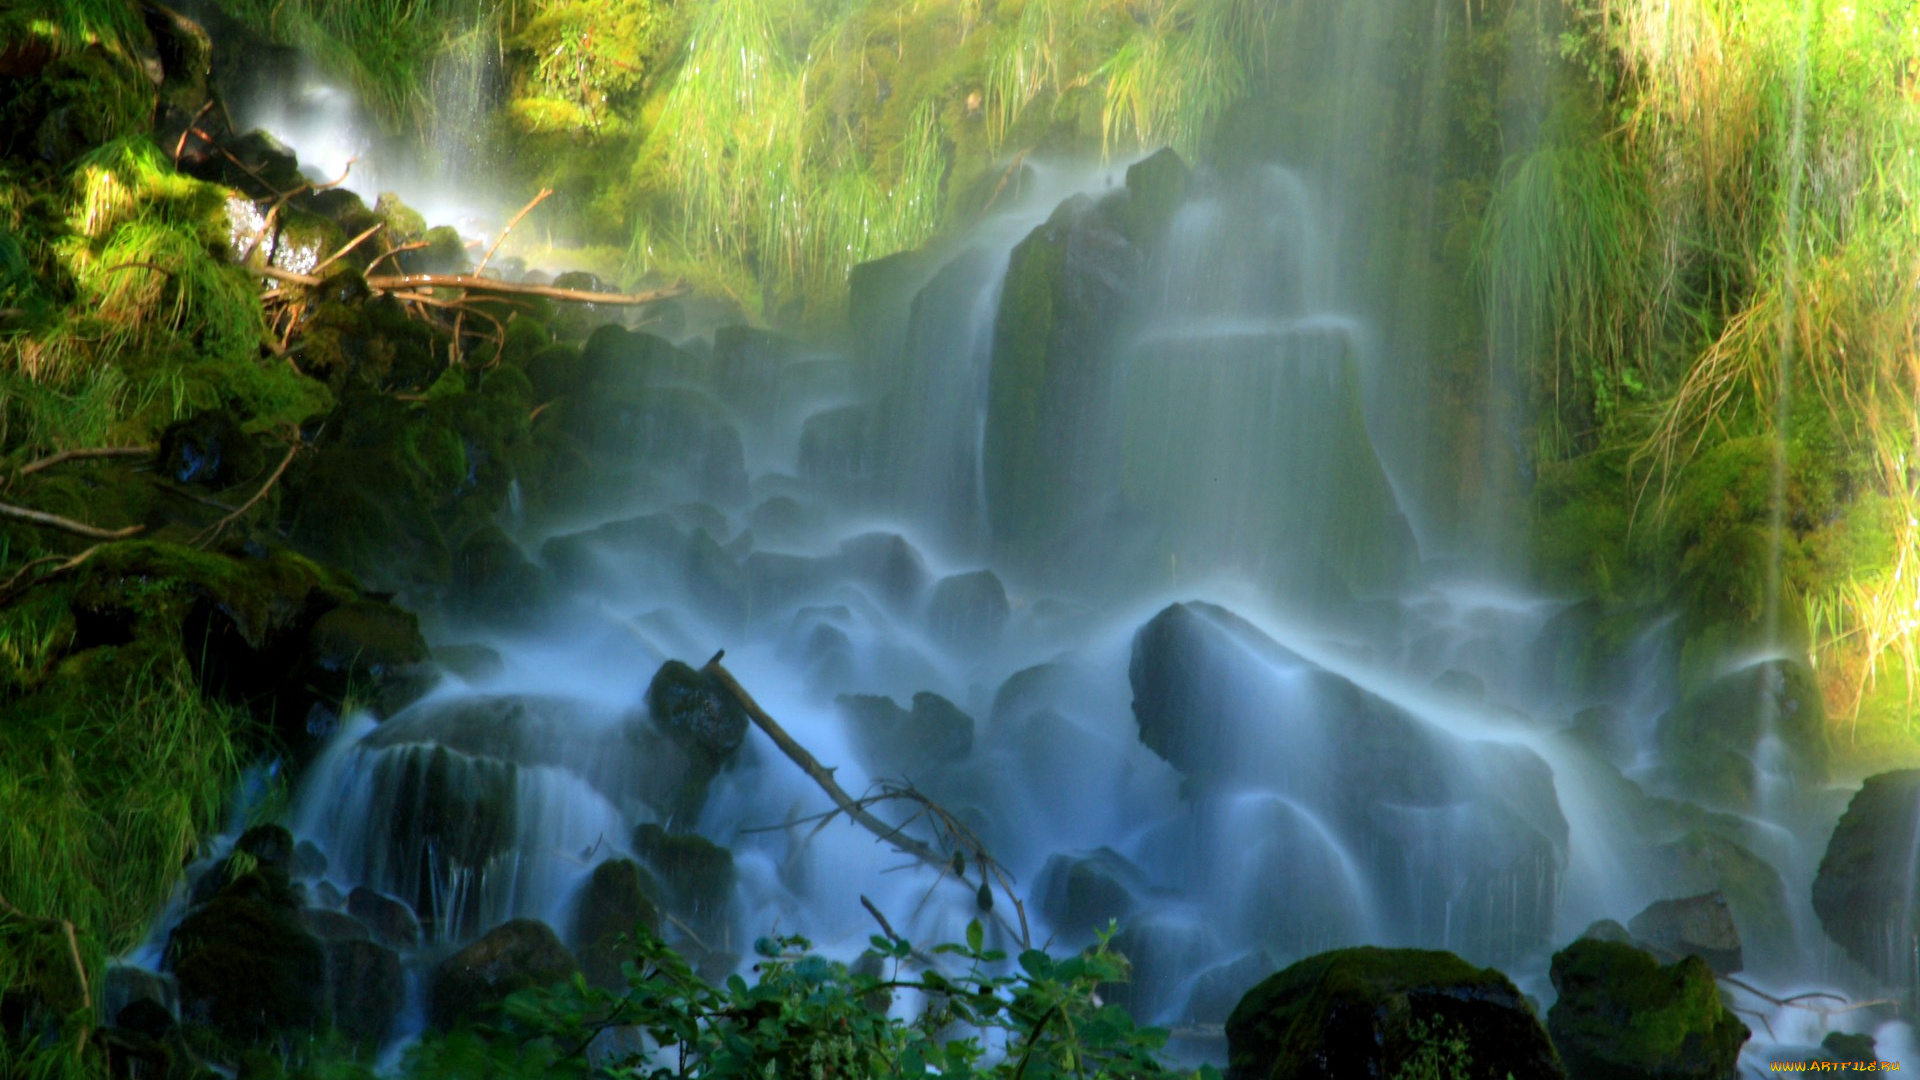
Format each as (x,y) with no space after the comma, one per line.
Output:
(448,817)
(697,712)
(61,96)
(368,653)
(1762,725)
(1387,1012)
(1622,1015)
(1867,891)
(618,898)
(248,969)
(513,956)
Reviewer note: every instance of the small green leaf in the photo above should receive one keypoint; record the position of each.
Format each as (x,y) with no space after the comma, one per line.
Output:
(976,934)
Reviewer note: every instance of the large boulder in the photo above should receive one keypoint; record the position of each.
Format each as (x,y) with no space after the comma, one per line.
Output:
(1865,892)
(365,989)
(1692,926)
(697,875)
(1403,821)
(968,611)
(513,956)
(1622,1015)
(247,968)
(1083,892)
(1704,862)
(1370,1012)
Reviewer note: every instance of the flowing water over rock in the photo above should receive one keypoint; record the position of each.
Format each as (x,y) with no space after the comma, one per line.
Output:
(1087,536)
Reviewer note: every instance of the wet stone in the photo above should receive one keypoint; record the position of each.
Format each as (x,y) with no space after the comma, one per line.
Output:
(513,956)
(1699,925)
(391,922)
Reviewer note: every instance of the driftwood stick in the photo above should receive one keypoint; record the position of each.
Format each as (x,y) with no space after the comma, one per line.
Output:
(392,251)
(89,453)
(66,525)
(397,282)
(819,773)
(856,809)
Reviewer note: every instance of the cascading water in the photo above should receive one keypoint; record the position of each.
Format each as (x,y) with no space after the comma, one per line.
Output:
(1102,491)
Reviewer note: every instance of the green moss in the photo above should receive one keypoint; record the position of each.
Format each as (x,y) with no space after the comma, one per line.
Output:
(1621,1013)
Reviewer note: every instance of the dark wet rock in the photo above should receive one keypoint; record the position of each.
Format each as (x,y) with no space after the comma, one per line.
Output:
(674,431)
(748,365)
(470,662)
(331,926)
(366,988)
(617,898)
(127,985)
(834,445)
(1219,988)
(513,956)
(579,559)
(968,611)
(1865,892)
(1067,290)
(494,582)
(327,895)
(1720,740)
(778,581)
(1376,1012)
(248,969)
(210,449)
(307,860)
(1849,1047)
(147,1017)
(697,875)
(716,583)
(390,921)
(1227,705)
(896,742)
(1607,930)
(1620,1013)
(1161,953)
(778,518)
(1700,925)
(888,565)
(445,253)
(448,815)
(697,711)
(1081,893)
(241,874)
(1030,690)
(371,653)
(271,844)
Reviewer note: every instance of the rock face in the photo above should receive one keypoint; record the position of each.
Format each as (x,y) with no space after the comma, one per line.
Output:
(1699,862)
(1081,893)
(1621,1015)
(1695,925)
(1865,891)
(1371,1012)
(699,713)
(512,956)
(1365,796)
(968,611)
(697,874)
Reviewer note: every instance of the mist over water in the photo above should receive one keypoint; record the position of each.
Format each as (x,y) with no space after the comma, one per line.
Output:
(1349,731)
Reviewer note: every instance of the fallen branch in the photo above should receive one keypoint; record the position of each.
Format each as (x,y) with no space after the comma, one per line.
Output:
(66,525)
(19,583)
(350,245)
(212,531)
(398,282)
(856,809)
(90,453)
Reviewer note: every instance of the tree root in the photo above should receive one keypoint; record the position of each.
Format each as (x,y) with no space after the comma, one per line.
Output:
(66,525)
(213,531)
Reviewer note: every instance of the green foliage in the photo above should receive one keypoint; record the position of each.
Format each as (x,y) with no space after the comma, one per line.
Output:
(810,1016)
(1441,1051)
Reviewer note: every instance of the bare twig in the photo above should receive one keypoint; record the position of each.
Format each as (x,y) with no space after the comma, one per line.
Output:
(391,252)
(350,245)
(181,146)
(498,240)
(89,453)
(208,534)
(885,926)
(66,525)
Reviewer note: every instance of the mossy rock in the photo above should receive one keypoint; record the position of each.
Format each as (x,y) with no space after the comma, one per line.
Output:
(367,652)
(248,969)
(698,712)
(513,956)
(1767,717)
(697,874)
(1622,1015)
(618,898)
(1701,861)
(445,253)
(1373,1012)
(79,99)
(209,448)
(453,815)
(494,582)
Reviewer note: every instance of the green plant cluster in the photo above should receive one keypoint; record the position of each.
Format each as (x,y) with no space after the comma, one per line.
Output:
(803,1016)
